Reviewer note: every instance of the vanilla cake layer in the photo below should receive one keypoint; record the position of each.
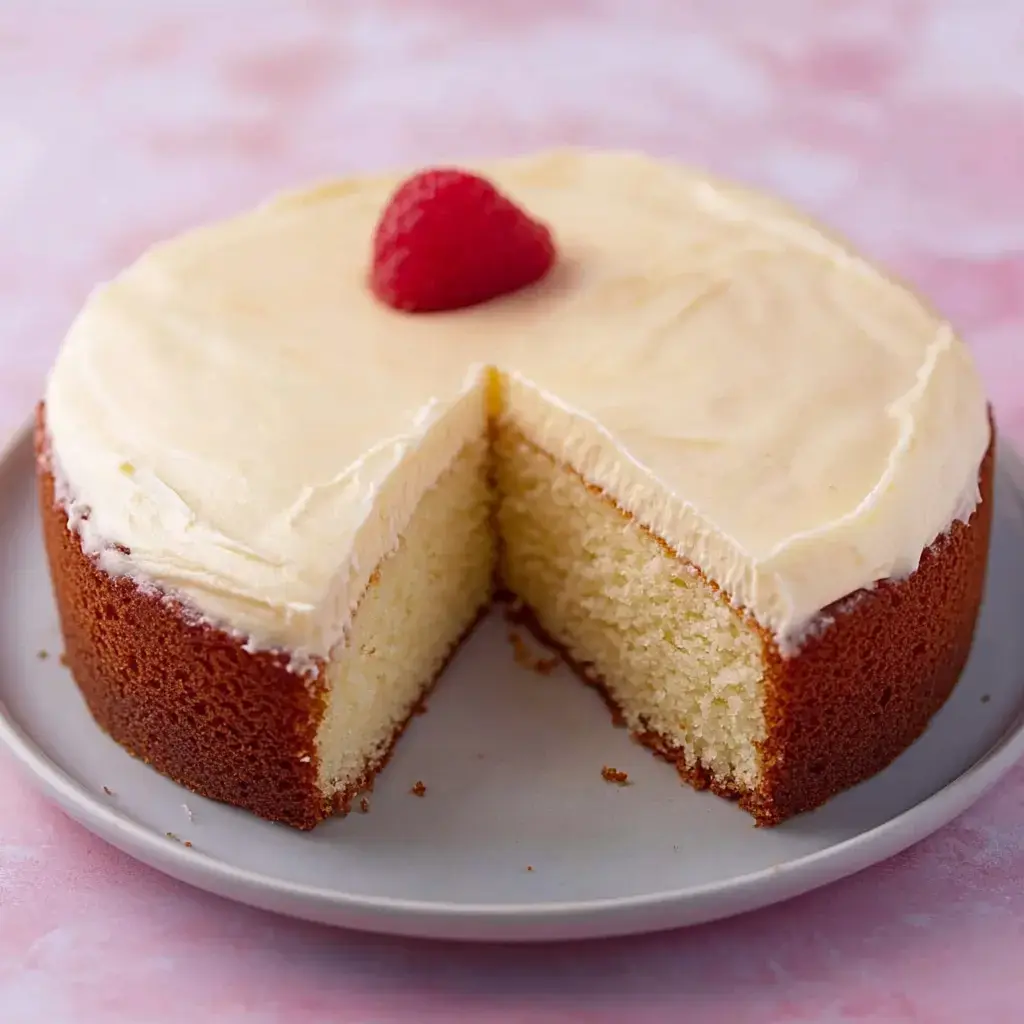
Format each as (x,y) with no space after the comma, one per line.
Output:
(674,657)
(421,600)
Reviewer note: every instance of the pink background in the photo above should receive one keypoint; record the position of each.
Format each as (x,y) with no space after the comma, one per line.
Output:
(901,122)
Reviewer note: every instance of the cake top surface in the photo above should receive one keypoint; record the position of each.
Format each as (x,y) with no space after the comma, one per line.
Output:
(241,413)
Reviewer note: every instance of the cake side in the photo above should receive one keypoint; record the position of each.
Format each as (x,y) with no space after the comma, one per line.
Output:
(187,699)
(865,686)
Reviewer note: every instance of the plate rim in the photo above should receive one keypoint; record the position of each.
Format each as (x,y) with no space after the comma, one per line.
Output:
(412,917)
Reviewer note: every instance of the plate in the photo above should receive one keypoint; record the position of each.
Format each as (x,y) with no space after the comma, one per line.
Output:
(517,837)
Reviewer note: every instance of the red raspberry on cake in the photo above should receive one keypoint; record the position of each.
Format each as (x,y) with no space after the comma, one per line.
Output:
(448,239)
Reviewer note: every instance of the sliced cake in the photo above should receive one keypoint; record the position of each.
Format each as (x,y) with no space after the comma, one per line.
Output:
(738,475)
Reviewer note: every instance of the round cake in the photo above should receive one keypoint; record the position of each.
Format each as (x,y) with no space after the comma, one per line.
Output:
(740,477)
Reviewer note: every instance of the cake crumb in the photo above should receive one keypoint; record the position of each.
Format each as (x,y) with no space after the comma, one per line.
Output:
(526,658)
(178,839)
(42,654)
(529,867)
(364,805)
(985,698)
(63,659)
(614,775)
(108,791)
(419,789)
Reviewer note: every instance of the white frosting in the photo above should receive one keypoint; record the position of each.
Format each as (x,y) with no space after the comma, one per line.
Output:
(240,413)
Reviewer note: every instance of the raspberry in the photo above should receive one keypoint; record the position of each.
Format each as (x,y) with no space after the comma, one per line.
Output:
(449,239)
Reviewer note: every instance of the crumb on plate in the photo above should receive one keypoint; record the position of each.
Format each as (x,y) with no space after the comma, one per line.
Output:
(526,658)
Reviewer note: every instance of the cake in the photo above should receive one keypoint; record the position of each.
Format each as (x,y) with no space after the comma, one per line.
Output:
(740,477)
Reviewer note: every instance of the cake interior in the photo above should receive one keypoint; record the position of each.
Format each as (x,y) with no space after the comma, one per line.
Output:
(683,668)
(670,653)
(420,601)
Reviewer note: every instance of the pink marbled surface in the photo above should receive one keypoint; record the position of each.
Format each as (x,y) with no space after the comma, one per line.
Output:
(899,121)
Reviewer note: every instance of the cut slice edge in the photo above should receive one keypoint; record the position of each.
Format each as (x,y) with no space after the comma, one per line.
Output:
(670,652)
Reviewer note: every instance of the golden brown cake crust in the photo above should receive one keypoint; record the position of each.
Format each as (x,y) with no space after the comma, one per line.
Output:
(183,697)
(863,690)
(240,727)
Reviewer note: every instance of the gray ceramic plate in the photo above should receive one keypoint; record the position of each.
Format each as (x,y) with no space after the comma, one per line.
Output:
(512,764)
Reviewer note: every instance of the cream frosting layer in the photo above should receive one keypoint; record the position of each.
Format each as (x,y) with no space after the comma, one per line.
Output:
(239,413)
